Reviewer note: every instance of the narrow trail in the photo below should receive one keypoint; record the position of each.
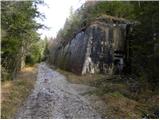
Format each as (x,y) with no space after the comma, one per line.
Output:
(54,97)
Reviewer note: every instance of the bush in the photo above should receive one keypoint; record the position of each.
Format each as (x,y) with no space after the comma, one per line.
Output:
(4,74)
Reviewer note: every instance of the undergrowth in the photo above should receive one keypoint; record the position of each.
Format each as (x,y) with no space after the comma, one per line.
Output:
(14,93)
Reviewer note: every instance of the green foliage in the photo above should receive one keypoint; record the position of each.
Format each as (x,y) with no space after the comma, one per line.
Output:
(36,53)
(18,32)
(145,42)
(4,74)
(88,12)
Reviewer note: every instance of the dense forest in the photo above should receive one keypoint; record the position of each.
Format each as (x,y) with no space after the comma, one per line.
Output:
(143,37)
(20,41)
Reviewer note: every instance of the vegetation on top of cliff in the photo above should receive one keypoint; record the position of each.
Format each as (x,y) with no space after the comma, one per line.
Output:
(143,38)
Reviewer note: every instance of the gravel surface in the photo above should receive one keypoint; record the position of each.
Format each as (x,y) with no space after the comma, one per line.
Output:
(54,97)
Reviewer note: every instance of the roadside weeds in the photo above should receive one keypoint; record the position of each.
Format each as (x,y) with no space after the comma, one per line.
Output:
(14,93)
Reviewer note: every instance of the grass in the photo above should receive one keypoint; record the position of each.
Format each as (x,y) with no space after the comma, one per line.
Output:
(14,93)
(115,92)
(84,79)
(120,106)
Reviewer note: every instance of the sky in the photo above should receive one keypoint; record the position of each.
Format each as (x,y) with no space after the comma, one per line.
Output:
(56,12)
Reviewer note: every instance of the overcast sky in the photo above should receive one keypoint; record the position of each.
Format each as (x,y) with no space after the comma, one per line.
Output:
(56,13)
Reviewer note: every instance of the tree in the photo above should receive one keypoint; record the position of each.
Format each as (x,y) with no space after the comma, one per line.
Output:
(19,26)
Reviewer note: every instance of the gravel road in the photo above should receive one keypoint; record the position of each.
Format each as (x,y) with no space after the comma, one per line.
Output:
(54,97)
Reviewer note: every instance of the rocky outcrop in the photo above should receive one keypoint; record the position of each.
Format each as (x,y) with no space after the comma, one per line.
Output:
(100,47)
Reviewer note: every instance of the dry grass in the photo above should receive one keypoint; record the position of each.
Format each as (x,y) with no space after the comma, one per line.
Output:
(14,93)
(120,106)
(81,79)
(122,103)
(114,91)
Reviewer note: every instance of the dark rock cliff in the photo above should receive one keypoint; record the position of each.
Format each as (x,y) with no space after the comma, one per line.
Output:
(101,47)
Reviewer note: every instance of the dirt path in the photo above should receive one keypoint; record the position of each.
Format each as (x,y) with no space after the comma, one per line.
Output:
(54,97)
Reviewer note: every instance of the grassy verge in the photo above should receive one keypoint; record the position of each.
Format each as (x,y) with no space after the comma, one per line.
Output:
(121,99)
(14,93)
(84,79)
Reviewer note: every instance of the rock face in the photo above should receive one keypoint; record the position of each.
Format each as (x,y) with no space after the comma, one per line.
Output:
(101,47)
